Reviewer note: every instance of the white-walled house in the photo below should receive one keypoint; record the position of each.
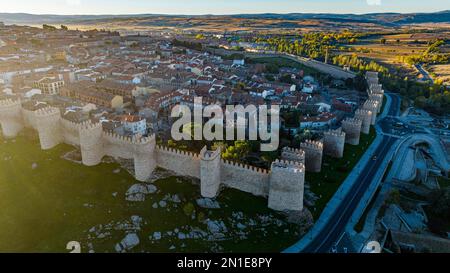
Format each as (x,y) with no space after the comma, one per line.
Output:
(134,124)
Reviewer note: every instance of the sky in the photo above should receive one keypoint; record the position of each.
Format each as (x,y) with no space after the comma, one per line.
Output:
(194,7)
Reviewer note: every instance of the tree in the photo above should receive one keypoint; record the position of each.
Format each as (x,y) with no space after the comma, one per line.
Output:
(383,41)
(238,151)
(63,27)
(48,27)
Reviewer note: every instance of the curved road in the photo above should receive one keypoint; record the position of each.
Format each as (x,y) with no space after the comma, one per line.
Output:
(334,230)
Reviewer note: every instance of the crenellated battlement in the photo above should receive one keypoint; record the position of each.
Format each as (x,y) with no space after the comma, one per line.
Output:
(334,133)
(47,112)
(293,154)
(362,112)
(312,145)
(375,88)
(287,165)
(177,152)
(206,154)
(365,116)
(334,143)
(71,124)
(313,155)
(242,166)
(293,150)
(7,103)
(126,140)
(351,123)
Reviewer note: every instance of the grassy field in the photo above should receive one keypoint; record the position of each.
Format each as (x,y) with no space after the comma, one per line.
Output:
(47,201)
(441,71)
(334,172)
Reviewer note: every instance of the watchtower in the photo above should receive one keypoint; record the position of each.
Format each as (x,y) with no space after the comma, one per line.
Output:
(287,179)
(210,172)
(365,116)
(292,154)
(352,129)
(11,119)
(48,127)
(91,143)
(313,155)
(372,106)
(334,143)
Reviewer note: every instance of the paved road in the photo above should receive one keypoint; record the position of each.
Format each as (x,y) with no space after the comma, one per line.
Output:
(334,230)
(425,74)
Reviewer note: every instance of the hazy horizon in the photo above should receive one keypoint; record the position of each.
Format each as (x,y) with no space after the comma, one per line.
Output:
(220,7)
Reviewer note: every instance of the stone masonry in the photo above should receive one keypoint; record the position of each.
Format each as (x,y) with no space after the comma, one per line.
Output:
(352,129)
(291,154)
(365,116)
(334,143)
(313,155)
(287,179)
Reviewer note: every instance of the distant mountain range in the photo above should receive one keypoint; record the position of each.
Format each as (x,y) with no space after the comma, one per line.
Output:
(374,18)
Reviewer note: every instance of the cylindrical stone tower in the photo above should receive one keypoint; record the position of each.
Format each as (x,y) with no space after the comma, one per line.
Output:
(352,129)
(286,189)
(365,116)
(144,157)
(210,172)
(378,98)
(313,155)
(91,143)
(11,119)
(334,143)
(372,106)
(291,154)
(48,127)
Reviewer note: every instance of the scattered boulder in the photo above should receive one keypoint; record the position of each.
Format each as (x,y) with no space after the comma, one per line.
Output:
(162,204)
(137,192)
(208,203)
(130,241)
(156,235)
(215,227)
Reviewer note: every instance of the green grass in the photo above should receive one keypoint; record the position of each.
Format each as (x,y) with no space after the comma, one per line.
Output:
(335,171)
(44,208)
